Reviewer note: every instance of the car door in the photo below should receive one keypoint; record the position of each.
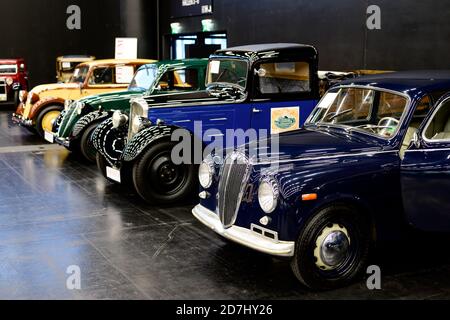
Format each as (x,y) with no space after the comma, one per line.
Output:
(425,172)
(108,78)
(284,92)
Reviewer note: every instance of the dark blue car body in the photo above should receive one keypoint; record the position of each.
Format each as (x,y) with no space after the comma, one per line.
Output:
(221,110)
(367,172)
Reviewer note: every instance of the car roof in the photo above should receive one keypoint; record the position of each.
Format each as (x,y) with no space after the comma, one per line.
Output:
(195,62)
(116,61)
(408,82)
(264,47)
(7,61)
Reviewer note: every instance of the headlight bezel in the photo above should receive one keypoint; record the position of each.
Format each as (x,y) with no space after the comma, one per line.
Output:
(119,119)
(9,81)
(268,195)
(79,107)
(208,166)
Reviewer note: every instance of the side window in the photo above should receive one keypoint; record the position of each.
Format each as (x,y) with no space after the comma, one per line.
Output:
(284,77)
(438,128)
(102,76)
(179,80)
(186,79)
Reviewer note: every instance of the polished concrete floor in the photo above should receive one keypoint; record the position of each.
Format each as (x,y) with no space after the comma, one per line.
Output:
(56,213)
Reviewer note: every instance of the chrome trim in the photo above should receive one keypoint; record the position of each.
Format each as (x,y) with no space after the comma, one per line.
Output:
(244,236)
(401,120)
(429,123)
(219,119)
(370,154)
(428,150)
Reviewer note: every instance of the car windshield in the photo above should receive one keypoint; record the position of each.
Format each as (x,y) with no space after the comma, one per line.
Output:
(80,74)
(372,111)
(227,71)
(144,78)
(8,69)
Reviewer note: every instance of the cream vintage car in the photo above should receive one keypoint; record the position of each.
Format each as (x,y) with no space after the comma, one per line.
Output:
(40,107)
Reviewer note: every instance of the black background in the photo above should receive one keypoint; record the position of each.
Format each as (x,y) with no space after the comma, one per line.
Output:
(414,35)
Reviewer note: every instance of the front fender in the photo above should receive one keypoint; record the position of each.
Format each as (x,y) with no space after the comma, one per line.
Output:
(87,120)
(144,139)
(41,104)
(109,142)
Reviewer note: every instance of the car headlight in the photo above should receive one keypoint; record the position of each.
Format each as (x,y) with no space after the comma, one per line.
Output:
(119,119)
(9,81)
(206,173)
(80,107)
(23,94)
(268,195)
(67,104)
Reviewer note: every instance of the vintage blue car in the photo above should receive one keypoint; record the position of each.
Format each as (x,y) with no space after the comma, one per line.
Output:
(372,158)
(249,87)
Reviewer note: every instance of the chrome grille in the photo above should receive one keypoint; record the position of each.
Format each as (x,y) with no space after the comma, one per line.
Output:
(234,176)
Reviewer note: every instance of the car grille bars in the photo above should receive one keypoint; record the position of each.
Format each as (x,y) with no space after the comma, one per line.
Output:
(234,176)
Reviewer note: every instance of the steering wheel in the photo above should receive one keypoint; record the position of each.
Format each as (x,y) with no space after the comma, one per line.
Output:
(386,126)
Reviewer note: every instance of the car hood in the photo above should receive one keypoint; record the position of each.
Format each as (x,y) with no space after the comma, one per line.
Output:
(106,98)
(55,86)
(312,143)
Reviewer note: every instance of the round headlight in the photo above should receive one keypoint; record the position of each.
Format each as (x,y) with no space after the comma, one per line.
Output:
(9,81)
(119,119)
(23,96)
(205,174)
(80,107)
(136,124)
(268,195)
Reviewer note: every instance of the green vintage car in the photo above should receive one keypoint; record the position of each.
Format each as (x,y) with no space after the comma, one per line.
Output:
(80,118)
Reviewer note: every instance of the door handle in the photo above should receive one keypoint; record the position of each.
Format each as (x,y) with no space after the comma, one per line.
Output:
(256,110)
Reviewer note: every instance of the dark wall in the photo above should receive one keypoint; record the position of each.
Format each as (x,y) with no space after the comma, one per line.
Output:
(414,34)
(36,30)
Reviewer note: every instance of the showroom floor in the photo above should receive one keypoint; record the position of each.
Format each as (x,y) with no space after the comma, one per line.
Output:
(55,213)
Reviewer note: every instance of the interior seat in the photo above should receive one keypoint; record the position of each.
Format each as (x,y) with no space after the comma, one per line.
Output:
(444,134)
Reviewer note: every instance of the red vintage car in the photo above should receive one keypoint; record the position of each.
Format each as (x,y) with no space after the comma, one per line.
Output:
(13,79)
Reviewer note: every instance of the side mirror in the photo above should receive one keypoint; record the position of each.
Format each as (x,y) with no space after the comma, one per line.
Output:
(261,72)
(416,140)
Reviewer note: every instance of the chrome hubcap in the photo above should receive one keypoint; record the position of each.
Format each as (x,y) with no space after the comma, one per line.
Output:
(332,247)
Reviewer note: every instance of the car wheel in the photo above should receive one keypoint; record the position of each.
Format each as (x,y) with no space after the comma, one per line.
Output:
(46,118)
(159,181)
(102,163)
(16,98)
(87,149)
(332,249)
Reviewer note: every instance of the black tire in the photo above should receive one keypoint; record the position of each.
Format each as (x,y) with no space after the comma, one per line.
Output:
(178,184)
(102,163)
(16,98)
(86,148)
(41,115)
(305,263)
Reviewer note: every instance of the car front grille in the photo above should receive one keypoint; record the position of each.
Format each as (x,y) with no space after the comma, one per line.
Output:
(2,87)
(234,176)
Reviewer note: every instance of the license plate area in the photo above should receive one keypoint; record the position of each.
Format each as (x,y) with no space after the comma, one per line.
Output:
(113,174)
(49,137)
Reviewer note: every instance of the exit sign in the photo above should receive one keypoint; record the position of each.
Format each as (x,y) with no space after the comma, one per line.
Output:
(189,8)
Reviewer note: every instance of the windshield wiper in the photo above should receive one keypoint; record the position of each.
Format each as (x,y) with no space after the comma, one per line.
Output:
(337,115)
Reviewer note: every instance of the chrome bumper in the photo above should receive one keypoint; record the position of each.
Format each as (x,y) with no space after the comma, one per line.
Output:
(17,118)
(65,142)
(244,236)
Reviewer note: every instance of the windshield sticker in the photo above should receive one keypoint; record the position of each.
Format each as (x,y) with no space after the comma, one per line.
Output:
(214,67)
(284,119)
(327,100)
(66,65)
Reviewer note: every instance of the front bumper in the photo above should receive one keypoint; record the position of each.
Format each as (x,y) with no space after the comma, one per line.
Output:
(244,236)
(18,119)
(65,142)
